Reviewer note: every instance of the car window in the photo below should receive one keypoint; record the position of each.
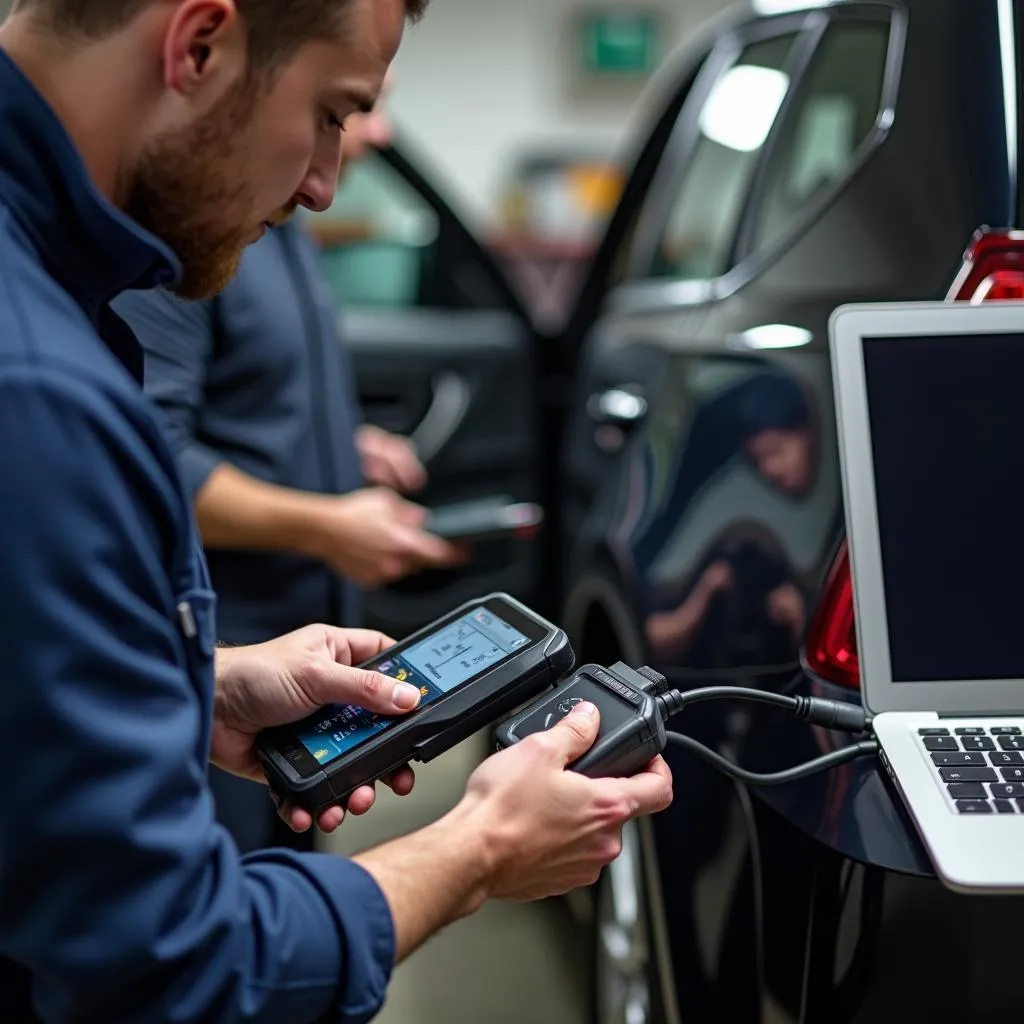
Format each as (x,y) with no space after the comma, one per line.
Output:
(835,110)
(379,238)
(734,123)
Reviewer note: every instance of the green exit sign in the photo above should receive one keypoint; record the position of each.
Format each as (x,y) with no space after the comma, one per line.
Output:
(620,41)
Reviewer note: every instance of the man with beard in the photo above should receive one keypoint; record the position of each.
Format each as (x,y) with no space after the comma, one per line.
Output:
(259,396)
(144,142)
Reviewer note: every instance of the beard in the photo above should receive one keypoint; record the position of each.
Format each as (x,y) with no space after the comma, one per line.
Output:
(188,188)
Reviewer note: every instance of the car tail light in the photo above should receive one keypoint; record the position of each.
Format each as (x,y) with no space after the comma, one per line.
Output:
(992,271)
(832,638)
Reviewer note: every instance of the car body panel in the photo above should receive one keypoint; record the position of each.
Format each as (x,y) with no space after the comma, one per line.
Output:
(670,506)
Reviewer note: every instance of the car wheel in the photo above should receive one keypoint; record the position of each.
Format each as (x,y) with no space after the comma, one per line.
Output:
(624,977)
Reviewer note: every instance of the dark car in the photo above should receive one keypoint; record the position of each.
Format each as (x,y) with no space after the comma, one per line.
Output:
(679,430)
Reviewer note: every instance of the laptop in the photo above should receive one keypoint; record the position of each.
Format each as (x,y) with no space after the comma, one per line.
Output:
(930,410)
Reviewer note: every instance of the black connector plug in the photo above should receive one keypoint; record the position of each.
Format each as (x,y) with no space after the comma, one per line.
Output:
(832,714)
(670,703)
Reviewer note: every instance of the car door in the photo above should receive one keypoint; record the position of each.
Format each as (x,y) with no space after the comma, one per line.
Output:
(443,353)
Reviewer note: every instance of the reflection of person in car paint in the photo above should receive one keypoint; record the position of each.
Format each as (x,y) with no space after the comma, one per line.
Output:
(767,419)
(785,457)
(744,607)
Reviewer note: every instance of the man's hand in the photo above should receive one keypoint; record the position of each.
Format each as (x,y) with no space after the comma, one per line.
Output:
(786,607)
(389,460)
(527,828)
(285,680)
(552,830)
(373,537)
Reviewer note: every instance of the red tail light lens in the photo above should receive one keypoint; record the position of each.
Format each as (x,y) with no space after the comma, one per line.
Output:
(832,638)
(992,271)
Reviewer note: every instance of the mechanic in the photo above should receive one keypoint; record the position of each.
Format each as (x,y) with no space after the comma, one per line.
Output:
(144,142)
(260,397)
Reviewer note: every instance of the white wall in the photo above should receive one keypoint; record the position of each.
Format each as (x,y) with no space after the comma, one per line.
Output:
(477,79)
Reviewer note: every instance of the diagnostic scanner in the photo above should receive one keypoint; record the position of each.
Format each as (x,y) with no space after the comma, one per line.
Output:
(472,668)
(632,711)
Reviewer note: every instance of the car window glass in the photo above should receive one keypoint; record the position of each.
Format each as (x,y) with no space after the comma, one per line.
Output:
(835,110)
(378,239)
(734,123)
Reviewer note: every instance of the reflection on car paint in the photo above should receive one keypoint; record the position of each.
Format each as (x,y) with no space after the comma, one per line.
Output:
(724,583)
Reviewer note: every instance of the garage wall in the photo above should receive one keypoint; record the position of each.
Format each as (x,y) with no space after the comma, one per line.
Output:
(478,79)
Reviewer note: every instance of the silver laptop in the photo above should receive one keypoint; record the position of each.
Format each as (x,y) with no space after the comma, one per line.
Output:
(930,407)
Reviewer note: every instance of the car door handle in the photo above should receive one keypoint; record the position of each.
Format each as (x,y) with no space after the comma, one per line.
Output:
(449,403)
(621,407)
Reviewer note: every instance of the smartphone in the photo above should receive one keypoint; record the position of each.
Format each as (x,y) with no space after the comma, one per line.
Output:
(472,522)
(472,667)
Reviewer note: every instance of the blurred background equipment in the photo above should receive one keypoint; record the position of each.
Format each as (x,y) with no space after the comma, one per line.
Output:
(482,82)
(549,217)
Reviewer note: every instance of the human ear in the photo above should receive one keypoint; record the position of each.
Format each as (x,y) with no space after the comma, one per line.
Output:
(205,47)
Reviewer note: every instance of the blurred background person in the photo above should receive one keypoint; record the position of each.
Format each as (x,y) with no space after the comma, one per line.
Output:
(297,502)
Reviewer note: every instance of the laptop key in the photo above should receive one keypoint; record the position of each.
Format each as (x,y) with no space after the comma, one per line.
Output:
(958,757)
(940,743)
(969,774)
(1007,789)
(973,807)
(1006,757)
(1008,742)
(932,732)
(977,743)
(1005,730)
(973,791)
(970,730)
(1003,806)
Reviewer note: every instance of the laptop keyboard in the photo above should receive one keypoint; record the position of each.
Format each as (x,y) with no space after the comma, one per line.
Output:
(981,768)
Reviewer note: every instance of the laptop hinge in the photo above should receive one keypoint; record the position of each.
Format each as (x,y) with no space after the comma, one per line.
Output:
(981,714)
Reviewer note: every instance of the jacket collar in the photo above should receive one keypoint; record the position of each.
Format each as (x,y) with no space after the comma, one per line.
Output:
(92,249)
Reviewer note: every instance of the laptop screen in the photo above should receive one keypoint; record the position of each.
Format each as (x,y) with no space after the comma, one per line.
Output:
(947,429)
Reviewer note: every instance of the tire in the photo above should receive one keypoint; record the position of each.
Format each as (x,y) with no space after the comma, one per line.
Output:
(624,979)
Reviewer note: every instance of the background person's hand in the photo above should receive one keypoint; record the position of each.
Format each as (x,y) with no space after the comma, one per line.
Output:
(787,608)
(373,537)
(286,679)
(553,830)
(675,628)
(389,460)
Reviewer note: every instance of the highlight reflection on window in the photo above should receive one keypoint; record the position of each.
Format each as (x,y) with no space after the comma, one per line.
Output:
(742,107)
(735,121)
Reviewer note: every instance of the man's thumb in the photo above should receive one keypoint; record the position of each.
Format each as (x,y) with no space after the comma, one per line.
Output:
(374,691)
(578,730)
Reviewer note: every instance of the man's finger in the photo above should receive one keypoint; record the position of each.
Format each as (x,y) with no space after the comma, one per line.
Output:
(385,474)
(331,819)
(411,473)
(295,818)
(574,735)
(402,781)
(648,792)
(428,549)
(361,800)
(409,514)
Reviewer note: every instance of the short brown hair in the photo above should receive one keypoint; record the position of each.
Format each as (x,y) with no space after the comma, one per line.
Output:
(276,28)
